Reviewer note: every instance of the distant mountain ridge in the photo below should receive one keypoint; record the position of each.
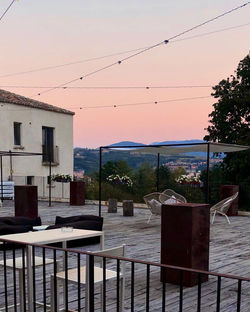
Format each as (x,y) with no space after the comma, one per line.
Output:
(127,143)
(178,142)
(131,143)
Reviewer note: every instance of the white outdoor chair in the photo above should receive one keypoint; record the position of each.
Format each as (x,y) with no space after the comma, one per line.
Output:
(222,207)
(171,193)
(154,202)
(19,267)
(98,276)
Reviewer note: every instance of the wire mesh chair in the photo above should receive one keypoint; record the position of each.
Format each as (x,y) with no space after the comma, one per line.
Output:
(154,202)
(222,207)
(171,193)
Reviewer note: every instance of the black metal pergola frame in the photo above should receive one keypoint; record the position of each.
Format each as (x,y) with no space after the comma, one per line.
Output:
(11,154)
(101,148)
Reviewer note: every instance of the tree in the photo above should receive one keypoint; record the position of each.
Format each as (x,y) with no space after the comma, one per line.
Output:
(164,177)
(230,123)
(145,180)
(230,118)
(120,167)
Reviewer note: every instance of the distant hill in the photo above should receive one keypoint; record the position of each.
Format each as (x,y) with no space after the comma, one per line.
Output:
(178,142)
(127,143)
(88,159)
(196,154)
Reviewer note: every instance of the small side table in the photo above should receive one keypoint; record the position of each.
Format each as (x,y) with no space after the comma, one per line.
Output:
(26,202)
(185,241)
(128,208)
(112,205)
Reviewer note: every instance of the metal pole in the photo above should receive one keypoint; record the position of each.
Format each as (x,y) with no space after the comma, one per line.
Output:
(1,164)
(50,181)
(11,167)
(100,181)
(157,172)
(207,175)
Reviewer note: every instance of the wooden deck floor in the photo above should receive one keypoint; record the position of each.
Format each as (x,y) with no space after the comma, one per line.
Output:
(229,253)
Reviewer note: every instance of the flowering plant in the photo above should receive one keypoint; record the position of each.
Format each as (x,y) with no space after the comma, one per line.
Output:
(184,179)
(61,177)
(121,180)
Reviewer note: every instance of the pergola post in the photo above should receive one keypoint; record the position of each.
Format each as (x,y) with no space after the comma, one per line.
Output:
(157,172)
(50,181)
(100,181)
(1,170)
(11,167)
(207,175)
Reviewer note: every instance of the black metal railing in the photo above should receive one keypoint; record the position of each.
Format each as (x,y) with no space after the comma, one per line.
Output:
(144,291)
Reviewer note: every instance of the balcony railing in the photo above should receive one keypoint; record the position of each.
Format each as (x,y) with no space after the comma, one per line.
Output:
(50,154)
(143,290)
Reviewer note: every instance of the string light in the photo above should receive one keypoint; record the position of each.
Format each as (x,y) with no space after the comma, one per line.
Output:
(146,49)
(116,105)
(115,54)
(111,87)
(140,103)
(1,17)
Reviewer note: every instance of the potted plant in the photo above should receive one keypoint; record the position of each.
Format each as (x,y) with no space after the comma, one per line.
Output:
(189,180)
(65,178)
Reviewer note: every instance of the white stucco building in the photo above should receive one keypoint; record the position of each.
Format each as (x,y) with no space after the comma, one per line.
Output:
(28,125)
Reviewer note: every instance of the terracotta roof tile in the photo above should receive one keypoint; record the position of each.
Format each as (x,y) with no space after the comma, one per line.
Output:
(12,98)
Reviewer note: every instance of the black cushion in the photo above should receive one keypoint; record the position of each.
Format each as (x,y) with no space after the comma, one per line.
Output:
(6,229)
(63,220)
(84,225)
(95,225)
(20,221)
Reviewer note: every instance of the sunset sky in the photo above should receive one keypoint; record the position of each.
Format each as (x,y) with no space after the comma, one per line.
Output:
(43,33)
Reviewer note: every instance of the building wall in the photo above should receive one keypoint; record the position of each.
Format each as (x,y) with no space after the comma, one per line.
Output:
(59,190)
(32,120)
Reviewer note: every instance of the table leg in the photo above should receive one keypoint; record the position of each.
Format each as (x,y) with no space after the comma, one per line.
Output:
(102,242)
(29,277)
(64,245)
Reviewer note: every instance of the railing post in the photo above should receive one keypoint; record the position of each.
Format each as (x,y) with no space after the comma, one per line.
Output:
(218,294)
(239,295)
(132,286)
(90,289)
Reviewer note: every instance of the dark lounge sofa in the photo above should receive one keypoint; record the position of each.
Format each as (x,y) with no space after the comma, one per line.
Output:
(14,225)
(84,222)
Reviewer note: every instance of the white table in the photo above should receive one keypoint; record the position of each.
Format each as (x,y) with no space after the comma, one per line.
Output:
(47,237)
